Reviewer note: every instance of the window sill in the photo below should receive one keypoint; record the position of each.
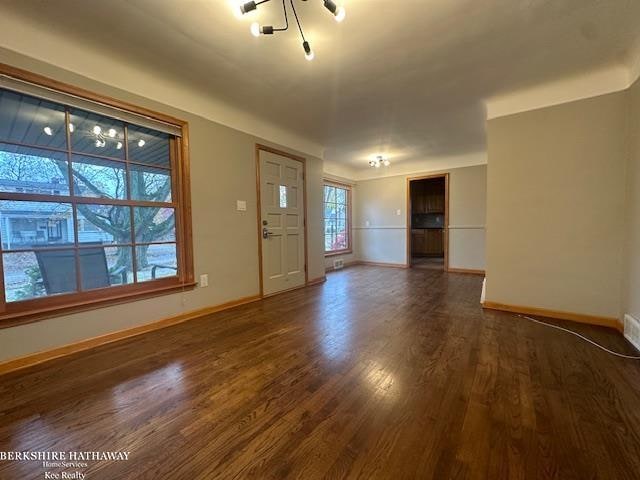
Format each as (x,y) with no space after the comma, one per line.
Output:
(12,319)
(338,252)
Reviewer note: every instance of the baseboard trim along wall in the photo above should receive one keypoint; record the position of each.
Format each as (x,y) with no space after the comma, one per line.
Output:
(379,264)
(541,312)
(403,265)
(46,355)
(467,270)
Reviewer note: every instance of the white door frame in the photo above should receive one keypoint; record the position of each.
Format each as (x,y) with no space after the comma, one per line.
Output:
(302,160)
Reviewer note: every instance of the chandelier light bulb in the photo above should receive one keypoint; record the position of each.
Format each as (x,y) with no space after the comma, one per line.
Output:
(340,14)
(308,53)
(119,145)
(255,29)
(48,131)
(97,130)
(112,132)
(247,7)
(71,127)
(386,162)
(141,143)
(331,6)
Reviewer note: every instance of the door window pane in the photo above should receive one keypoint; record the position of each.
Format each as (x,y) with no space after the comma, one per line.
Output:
(29,120)
(104,224)
(154,224)
(283,196)
(156,261)
(33,170)
(25,225)
(95,177)
(102,267)
(150,184)
(148,146)
(97,135)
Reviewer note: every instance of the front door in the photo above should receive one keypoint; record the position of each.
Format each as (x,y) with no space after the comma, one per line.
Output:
(281,222)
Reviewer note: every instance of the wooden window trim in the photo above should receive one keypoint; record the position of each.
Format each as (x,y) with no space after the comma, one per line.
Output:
(27,311)
(348,188)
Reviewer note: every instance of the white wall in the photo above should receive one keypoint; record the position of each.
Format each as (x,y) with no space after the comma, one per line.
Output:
(225,240)
(632,252)
(384,238)
(556,203)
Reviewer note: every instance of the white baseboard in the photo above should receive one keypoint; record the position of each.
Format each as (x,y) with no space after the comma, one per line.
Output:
(632,330)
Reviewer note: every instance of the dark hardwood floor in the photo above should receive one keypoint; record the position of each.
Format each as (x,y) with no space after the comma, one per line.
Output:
(378,373)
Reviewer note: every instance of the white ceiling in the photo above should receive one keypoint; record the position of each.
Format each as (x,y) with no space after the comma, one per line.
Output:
(406,79)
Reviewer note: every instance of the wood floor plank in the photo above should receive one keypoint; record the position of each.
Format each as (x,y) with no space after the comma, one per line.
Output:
(377,373)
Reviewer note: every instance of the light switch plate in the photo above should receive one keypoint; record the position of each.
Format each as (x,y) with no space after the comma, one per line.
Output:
(204,280)
(398,212)
(241,205)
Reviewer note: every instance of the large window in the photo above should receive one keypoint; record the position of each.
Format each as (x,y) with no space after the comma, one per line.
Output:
(92,207)
(337,213)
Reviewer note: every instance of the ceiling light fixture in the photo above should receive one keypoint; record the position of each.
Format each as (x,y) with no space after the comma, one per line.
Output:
(256,30)
(48,131)
(379,161)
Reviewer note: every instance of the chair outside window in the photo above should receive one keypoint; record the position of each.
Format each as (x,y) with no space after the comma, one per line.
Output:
(58,270)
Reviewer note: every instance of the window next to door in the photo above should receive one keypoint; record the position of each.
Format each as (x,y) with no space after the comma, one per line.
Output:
(337,218)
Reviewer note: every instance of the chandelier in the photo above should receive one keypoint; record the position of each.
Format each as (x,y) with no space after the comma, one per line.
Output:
(379,161)
(257,29)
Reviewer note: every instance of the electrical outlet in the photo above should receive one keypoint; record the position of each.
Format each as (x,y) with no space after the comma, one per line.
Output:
(241,205)
(398,212)
(204,280)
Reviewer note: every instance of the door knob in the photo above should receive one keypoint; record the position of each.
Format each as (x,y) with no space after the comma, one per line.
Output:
(265,232)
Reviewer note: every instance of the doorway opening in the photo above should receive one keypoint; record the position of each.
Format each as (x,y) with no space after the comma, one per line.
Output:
(428,222)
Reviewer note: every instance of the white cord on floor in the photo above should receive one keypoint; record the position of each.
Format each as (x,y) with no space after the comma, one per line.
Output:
(630,357)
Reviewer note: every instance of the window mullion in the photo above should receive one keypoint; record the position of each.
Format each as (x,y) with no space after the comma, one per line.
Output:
(74,207)
(134,265)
